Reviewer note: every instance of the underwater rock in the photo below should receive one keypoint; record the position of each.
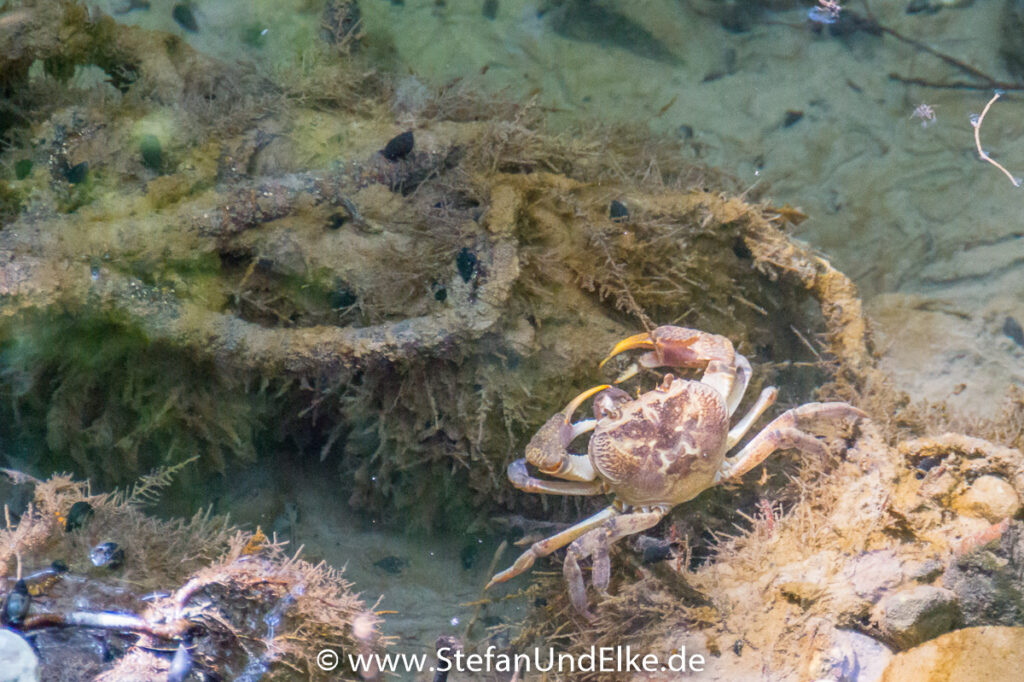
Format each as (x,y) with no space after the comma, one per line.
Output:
(230,584)
(989,581)
(989,497)
(18,663)
(845,656)
(992,654)
(917,614)
(605,23)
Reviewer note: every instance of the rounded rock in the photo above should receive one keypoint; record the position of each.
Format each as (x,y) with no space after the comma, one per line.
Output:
(989,497)
(990,653)
(18,663)
(917,614)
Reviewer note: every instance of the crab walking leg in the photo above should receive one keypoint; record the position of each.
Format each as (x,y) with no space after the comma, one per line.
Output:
(520,477)
(764,401)
(784,432)
(743,372)
(547,546)
(596,543)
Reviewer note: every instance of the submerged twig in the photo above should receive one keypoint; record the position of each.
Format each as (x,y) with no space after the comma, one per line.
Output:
(976,122)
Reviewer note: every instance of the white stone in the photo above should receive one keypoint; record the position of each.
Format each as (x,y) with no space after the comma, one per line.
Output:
(18,663)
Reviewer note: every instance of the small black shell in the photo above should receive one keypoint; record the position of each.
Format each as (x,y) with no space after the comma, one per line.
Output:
(16,605)
(185,17)
(151,153)
(78,515)
(466,262)
(1012,328)
(617,211)
(398,147)
(77,173)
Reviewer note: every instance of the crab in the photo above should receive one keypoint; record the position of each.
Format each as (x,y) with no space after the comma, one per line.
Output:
(658,450)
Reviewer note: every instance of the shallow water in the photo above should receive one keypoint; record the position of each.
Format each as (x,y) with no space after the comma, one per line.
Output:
(797,116)
(928,231)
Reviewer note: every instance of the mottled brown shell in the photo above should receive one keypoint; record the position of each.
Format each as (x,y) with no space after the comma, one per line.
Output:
(665,446)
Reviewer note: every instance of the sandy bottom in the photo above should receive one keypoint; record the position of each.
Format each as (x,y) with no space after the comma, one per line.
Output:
(424,583)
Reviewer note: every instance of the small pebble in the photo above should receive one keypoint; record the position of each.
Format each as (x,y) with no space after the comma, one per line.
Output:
(398,147)
(107,554)
(391,564)
(791,118)
(917,614)
(1012,328)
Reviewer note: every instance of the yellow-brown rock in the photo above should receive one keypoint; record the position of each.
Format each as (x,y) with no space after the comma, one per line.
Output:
(991,654)
(989,497)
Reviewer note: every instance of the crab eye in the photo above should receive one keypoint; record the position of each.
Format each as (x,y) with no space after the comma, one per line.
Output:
(605,406)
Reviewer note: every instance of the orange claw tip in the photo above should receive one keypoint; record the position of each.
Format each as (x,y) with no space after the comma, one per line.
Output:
(643,341)
(578,400)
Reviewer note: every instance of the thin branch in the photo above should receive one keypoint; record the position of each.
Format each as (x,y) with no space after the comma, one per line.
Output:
(976,121)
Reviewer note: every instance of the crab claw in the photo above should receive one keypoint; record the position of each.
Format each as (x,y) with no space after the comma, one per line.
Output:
(645,341)
(578,400)
(671,346)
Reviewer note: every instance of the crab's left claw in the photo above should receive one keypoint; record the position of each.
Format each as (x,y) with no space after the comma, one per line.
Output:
(668,346)
(643,341)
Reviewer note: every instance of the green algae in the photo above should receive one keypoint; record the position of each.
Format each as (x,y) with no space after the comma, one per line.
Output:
(91,390)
